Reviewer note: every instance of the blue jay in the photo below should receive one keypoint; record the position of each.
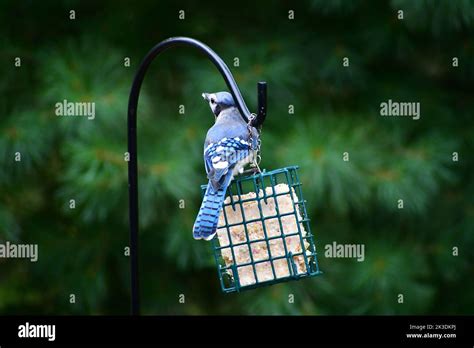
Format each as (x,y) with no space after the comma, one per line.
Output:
(230,145)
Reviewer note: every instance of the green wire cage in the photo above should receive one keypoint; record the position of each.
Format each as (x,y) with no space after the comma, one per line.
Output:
(264,236)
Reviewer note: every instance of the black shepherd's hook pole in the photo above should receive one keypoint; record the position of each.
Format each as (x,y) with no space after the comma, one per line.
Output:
(132,138)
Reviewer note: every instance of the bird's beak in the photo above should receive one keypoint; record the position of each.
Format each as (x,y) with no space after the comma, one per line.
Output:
(205,96)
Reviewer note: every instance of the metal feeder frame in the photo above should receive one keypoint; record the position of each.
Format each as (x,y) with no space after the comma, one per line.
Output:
(290,172)
(228,274)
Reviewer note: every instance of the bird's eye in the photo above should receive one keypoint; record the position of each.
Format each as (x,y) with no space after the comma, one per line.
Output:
(213,100)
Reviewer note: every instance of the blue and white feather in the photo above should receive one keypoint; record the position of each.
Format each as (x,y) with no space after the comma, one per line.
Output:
(227,149)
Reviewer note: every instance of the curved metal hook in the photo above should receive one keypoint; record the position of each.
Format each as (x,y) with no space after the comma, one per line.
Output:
(218,62)
(132,137)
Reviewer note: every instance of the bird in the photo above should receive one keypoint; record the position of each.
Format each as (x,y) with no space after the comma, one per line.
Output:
(230,145)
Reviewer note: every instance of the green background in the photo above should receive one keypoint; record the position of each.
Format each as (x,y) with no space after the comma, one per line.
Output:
(336,109)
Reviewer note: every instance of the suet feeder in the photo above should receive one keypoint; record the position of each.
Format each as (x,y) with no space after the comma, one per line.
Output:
(263,234)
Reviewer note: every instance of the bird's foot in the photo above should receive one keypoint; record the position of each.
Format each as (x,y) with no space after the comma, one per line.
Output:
(254,169)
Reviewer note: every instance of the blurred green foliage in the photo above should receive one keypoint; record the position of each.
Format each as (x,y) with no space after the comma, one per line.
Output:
(81,251)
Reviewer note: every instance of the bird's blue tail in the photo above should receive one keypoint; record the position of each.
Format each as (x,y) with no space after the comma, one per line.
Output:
(205,226)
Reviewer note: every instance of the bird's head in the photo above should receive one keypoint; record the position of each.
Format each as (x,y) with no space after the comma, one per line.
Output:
(219,101)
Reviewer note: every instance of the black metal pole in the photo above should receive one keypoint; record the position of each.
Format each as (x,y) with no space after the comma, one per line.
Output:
(132,139)
(262,104)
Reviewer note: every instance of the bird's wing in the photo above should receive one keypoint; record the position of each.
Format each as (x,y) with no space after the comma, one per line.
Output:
(222,156)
